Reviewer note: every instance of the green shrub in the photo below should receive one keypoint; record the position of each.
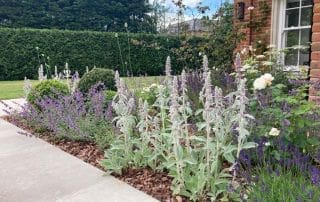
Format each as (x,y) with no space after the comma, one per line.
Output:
(99,130)
(97,75)
(47,88)
(104,134)
(109,94)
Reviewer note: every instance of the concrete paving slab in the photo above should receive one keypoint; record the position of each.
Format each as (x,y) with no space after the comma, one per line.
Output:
(33,170)
(9,105)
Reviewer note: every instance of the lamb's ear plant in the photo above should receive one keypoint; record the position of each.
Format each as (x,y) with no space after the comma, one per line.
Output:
(176,136)
(200,162)
(242,117)
(205,66)
(185,110)
(161,120)
(168,78)
(146,142)
(120,154)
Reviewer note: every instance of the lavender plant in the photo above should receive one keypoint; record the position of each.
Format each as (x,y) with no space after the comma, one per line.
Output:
(73,116)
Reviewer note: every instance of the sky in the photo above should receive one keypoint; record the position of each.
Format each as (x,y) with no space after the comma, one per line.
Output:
(192,4)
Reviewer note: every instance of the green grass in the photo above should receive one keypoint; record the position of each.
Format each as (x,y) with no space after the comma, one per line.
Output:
(135,83)
(14,89)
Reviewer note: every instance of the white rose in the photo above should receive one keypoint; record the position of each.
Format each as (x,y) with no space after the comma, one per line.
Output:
(259,84)
(274,132)
(268,79)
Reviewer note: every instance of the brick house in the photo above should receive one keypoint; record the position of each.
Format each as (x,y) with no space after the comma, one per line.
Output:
(290,24)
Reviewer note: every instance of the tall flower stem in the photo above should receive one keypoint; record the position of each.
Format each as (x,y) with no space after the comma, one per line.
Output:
(120,52)
(129,48)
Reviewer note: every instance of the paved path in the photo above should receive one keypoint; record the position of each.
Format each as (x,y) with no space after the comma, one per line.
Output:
(11,104)
(33,170)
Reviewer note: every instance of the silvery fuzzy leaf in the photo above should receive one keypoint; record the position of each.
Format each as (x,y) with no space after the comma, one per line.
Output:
(225,175)
(221,181)
(249,116)
(179,151)
(169,164)
(198,138)
(229,157)
(201,125)
(199,111)
(229,149)
(249,145)
(190,161)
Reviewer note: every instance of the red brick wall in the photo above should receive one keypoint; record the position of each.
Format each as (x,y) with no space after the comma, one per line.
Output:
(315,54)
(260,31)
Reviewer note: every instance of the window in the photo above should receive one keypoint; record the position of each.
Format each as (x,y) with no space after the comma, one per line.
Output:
(296,33)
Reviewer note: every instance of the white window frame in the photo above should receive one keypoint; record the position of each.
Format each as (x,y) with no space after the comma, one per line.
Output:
(282,29)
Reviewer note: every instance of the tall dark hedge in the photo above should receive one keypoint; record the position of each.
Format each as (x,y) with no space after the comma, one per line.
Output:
(98,15)
(19,57)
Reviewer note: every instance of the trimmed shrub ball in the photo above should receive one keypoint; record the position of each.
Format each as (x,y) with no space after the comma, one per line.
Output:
(97,75)
(47,88)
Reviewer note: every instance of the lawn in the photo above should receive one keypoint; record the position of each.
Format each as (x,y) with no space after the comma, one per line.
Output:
(14,89)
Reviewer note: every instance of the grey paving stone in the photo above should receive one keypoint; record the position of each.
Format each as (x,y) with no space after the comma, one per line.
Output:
(33,170)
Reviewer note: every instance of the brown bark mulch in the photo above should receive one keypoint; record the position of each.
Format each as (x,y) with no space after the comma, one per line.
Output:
(156,184)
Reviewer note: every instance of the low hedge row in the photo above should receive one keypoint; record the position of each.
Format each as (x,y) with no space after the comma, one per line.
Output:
(19,56)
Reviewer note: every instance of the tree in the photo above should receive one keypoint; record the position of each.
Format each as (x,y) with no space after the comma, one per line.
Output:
(223,38)
(99,15)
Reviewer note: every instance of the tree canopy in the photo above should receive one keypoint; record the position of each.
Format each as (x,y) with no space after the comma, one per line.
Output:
(99,15)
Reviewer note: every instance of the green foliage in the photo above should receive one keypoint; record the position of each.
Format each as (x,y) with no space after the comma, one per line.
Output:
(148,94)
(282,105)
(109,95)
(19,56)
(219,44)
(97,75)
(102,131)
(47,88)
(283,186)
(291,114)
(199,161)
(223,39)
(96,15)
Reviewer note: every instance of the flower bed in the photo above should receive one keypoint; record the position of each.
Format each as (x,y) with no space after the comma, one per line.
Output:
(189,140)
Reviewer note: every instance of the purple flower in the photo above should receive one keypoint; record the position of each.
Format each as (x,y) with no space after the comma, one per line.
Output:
(315,175)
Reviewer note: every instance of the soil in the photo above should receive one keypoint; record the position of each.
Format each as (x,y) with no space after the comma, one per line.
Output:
(156,184)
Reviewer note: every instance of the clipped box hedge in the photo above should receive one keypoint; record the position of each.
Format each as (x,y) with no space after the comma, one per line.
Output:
(19,57)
